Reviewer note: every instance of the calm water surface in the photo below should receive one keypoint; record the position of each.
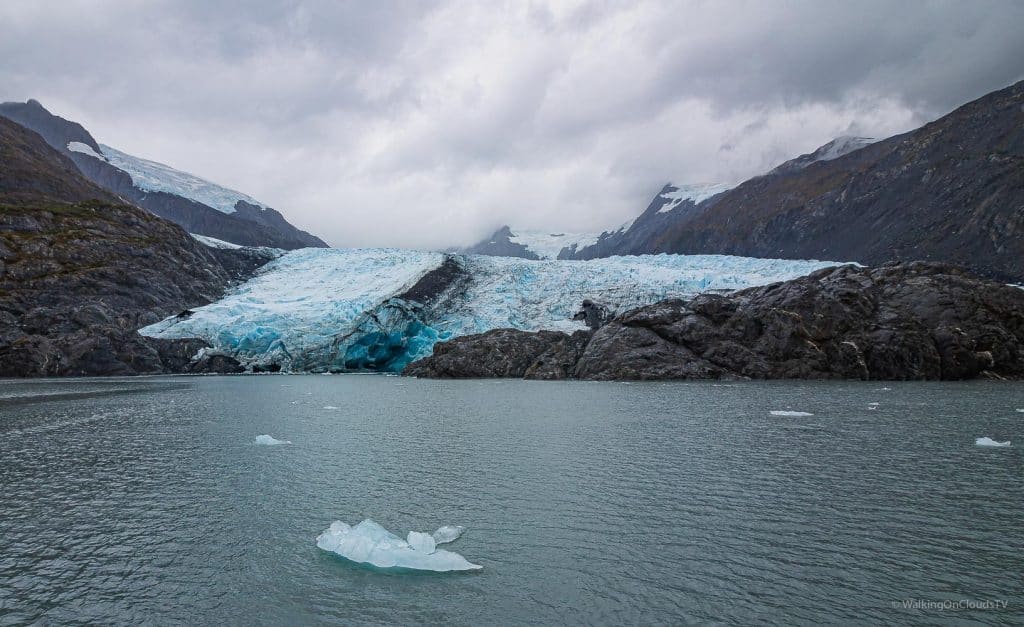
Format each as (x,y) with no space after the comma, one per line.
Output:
(128,501)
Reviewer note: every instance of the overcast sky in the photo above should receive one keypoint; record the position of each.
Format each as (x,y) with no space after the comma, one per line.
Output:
(427,124)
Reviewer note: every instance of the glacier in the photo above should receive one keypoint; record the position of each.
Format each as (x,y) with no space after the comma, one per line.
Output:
(369,543)
(156,177)
(341,310)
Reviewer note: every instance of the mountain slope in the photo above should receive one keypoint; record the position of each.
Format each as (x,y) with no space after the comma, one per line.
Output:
(196,204)
(669,206)
(80,270)
(951,191)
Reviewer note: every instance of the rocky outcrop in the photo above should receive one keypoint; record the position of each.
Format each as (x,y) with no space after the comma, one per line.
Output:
(504,353)
(80,271)
(897,322)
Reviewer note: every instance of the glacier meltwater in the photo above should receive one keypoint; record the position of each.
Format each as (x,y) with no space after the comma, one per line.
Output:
(333,310)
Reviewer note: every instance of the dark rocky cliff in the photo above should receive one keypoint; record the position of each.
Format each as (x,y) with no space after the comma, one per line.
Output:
(902,321)
(80,271)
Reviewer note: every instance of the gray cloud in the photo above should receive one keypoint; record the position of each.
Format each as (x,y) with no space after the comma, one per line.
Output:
(430,123)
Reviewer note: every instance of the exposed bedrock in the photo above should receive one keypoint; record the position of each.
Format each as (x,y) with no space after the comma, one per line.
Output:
(895,322)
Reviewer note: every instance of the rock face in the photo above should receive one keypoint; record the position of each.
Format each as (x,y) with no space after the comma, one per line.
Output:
(951,191)
(248,225)
(897,322)
(504,353)
(80,271)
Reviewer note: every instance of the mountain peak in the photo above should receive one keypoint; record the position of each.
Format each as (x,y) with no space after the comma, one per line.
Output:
(842,145)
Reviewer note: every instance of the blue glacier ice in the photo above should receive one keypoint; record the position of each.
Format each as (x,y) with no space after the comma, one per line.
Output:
(319,310)
(369,543)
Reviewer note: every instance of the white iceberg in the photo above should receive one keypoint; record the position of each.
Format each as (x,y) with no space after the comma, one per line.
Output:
(448,533)
(267,440)
(422,542)
(779,412)
(1021,410)
(369,543)
(990,442)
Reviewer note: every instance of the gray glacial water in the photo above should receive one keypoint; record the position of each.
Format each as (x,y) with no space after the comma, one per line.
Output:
(147,500)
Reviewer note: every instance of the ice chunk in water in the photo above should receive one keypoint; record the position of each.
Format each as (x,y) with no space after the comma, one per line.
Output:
(448,533)
(779,412)
(267,440)
(369,543)
(422,542)
(1021,410)
(990,442)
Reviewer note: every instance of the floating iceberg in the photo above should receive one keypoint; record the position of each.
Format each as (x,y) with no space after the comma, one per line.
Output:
(1021,410)
(779,412)
(448,533)
(990,442)
(266,440)
(369,543)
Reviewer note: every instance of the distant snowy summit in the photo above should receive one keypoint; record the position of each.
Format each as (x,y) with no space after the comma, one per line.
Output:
(536,244)
(530,244)
(674,204)
(194,203)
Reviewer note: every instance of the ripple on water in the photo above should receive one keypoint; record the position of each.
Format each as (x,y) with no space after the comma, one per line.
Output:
(588,503)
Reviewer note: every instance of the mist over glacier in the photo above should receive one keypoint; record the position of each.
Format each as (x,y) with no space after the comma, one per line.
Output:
(319,310)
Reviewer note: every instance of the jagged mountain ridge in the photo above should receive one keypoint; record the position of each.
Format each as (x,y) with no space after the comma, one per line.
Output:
(169,193)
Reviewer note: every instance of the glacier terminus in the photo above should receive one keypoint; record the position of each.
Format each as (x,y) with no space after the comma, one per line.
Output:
(343,310)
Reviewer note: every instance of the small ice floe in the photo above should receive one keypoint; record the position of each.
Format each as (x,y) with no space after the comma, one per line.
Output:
(448,533)
(1021,410)
(329,407)
(267,440)
(786,412)
(369,543)
(990,442)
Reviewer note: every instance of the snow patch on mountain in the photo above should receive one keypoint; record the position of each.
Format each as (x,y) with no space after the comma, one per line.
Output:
(156,177)
(85,149)
(213,242)
(833,150)
(342,309)
(841,146)
(676,195)
(547,245)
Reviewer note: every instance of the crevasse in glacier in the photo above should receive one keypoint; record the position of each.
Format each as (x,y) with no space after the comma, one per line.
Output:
(379,309)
